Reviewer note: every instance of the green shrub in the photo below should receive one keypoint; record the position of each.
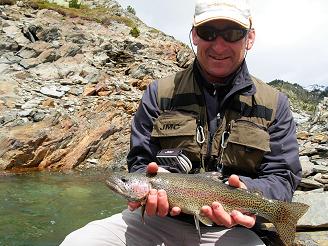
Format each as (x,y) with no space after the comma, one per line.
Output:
(7,2)
(300,98)
(135,32)
(131,10)
(99,14)
(74,4)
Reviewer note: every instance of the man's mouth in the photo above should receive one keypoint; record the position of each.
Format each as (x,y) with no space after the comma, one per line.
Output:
(219,58)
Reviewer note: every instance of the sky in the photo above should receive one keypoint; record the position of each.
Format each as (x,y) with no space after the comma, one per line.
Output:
(291,35)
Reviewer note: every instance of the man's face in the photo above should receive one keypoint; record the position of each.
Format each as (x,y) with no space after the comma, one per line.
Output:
(220,58)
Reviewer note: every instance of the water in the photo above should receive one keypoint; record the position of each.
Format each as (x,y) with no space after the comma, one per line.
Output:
(41,208)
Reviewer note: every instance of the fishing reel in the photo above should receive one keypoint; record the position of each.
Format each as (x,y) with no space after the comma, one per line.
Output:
(174,158)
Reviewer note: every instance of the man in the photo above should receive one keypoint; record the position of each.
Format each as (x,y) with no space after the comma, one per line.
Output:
(222,119)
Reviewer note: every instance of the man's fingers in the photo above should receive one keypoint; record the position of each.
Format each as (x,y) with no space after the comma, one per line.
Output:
(162,203)
(221,216)
(151,205)
(206,211)
(235,182)
(243,219)
(175,211)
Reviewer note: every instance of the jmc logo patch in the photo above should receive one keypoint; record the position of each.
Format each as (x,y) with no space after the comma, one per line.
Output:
(170,127)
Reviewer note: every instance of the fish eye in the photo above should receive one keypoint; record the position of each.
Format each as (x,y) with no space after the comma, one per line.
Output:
(124,180)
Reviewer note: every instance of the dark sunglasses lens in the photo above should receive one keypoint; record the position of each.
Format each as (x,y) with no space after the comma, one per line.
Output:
(206,32)
(233,35)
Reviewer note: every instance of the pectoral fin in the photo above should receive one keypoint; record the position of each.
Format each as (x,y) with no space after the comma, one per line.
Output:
(143,209)
(196,219)
(204,220)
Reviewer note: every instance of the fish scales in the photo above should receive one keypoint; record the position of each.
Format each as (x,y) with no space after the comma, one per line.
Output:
(191,192)
(205,191)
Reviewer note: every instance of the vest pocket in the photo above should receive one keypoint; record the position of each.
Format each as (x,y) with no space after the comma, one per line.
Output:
(245,148)
(176,129)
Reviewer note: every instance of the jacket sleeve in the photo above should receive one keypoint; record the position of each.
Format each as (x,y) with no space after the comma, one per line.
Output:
(280,171)
(143,148)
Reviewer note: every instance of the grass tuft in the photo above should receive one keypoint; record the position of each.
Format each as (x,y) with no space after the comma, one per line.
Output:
(99,14)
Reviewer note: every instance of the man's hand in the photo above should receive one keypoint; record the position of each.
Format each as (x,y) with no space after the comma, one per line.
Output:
(220,217)
(157,202)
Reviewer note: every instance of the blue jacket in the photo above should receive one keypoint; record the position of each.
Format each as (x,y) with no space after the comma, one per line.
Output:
(280,170)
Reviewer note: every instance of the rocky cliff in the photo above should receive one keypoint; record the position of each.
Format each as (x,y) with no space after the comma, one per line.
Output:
(71,80)
(69,85)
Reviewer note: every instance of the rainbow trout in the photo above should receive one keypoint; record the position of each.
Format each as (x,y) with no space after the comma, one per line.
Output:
(192,191)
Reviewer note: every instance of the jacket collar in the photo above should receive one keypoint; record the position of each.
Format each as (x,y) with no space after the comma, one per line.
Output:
(240,81)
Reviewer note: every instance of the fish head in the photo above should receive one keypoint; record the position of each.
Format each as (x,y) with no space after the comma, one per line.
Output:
(133,187)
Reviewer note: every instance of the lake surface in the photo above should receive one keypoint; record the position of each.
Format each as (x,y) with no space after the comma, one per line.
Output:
(41,208)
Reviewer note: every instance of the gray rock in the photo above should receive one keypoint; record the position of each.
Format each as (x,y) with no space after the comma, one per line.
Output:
(319,161)
(314,217)
(9,58)
(320,169)
(300,118)
(125,87)
(307,166)
(47,71)
(310,184)
(322,148)
(49,34)
(52,91)
(30,104)
(38,116)
(320,178)
(27,53)
(25,113)
(140,72)
(184,58)
(311,238)
(134,46)
(4,68)
(309,149)
(64,88)
(14,32)
(69,49)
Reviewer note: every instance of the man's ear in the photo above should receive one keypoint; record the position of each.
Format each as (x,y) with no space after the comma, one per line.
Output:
(195,38)
(250,39)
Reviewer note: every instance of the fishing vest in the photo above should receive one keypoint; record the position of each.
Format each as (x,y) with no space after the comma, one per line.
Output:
(241,139)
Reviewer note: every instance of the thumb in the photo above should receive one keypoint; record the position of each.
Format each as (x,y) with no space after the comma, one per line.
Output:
(235,182)
(152,168)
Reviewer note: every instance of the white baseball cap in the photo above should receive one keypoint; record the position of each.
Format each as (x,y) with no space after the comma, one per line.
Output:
(234,10)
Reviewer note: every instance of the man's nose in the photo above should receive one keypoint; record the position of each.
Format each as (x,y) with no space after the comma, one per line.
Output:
(219,44)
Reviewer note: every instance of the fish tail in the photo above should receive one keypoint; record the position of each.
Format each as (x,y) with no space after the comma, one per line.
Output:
(286,220)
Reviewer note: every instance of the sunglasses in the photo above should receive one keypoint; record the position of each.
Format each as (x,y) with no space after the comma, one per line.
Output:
(209,33)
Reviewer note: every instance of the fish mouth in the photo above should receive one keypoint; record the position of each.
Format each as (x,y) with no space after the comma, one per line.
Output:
(115,187)
(122,191)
